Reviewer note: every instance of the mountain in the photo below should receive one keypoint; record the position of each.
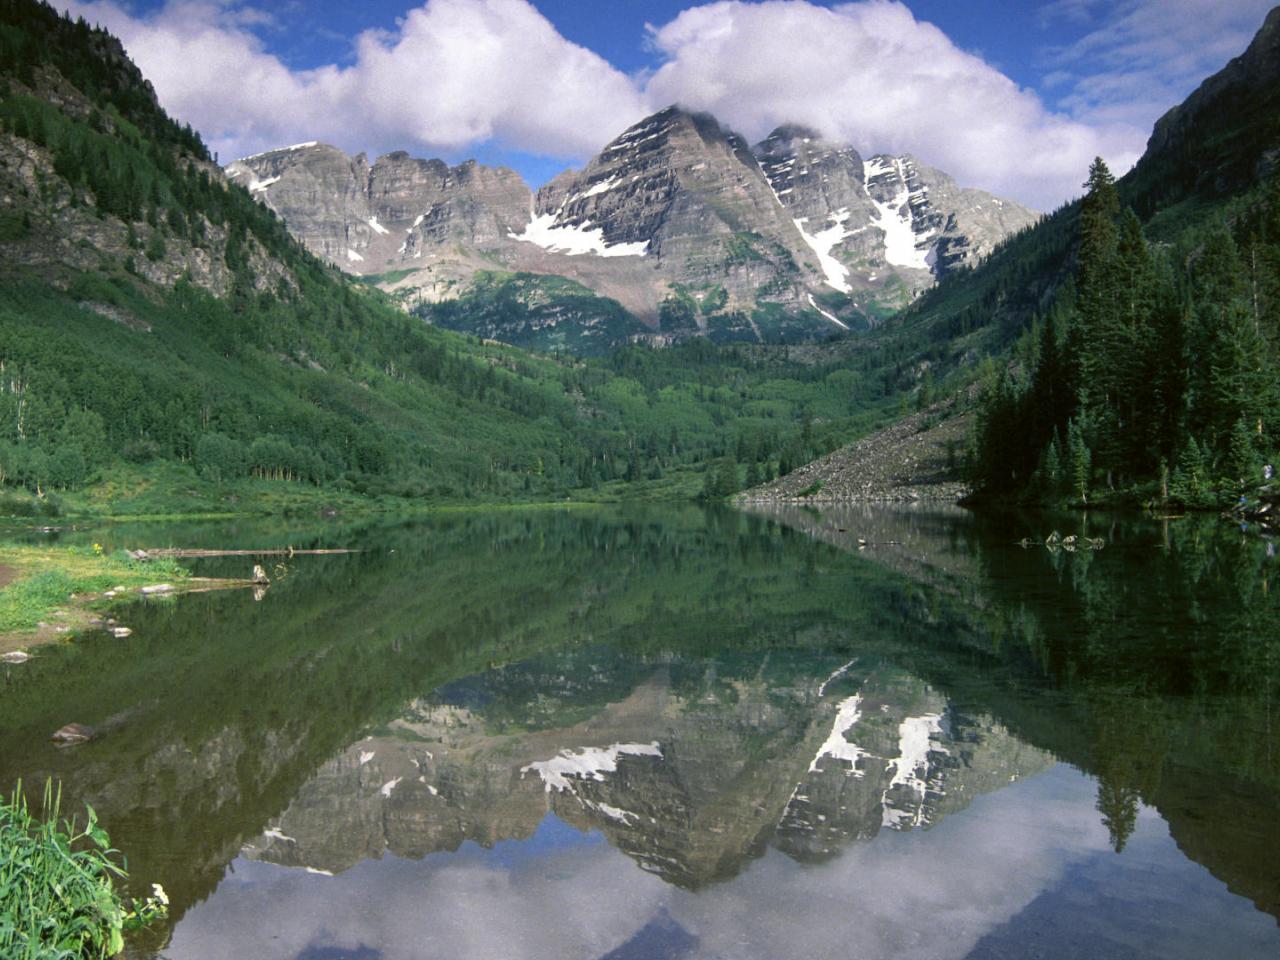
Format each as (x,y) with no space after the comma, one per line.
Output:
(693,784)
(395,210)
(1169,319)
(1222,139)
(889,219)
(1216,146)
(677,221)
(166,344)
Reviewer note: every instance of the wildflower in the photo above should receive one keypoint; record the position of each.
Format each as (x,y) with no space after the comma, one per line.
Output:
(158,893)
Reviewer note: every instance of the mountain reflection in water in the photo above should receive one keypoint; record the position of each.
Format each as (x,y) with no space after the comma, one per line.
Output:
(688,734)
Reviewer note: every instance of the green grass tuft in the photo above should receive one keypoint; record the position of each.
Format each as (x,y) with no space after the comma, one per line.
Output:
(57,893)
(46,577)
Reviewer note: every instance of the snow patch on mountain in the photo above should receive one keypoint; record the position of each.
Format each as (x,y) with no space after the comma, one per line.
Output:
(237,170)
(615,813)
(353,256)
(267,153)
(910,767)
(834,319)
(822,243)
(375,226)
(603,186)
(592,763)
(836,745)
(838,672)
(574,240)
(901,245)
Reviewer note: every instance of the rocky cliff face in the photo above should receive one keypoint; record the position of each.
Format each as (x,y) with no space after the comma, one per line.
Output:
(677,219)
(373,218)
(884,229)
(679,189)
(51,219)
(1222,138)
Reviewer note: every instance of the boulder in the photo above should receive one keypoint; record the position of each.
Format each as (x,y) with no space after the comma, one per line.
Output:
(73,733)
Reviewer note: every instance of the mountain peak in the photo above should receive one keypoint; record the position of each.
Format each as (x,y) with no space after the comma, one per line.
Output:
(787,134)
(294,148)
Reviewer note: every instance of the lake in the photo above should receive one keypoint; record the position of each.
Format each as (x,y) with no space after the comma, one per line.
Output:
(619,734)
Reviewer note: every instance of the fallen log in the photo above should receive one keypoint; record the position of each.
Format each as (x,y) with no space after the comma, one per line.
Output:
(183,553)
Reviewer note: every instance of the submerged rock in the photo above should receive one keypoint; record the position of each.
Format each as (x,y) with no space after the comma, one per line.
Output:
(16,656)
(73,733)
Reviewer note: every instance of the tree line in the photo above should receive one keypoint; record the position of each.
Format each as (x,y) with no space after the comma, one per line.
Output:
(1155,375)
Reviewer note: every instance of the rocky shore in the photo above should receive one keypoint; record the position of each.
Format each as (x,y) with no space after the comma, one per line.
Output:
(914,459)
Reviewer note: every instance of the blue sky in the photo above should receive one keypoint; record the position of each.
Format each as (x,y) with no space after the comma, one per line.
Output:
(1008,33)
(1013,97)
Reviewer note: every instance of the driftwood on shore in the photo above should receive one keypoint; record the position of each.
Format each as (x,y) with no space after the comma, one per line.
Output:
(185,553)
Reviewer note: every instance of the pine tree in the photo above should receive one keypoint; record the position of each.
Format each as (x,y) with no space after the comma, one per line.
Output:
(1099,334)
(1188,476)
(1052,468)
(727,479)
(1130,387)
(1242,458)
(1079,462)
(1052,397)
(1118,805)
(156,249)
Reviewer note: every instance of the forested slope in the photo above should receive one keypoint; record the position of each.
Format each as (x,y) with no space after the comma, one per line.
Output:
(152,313)
(1129,343)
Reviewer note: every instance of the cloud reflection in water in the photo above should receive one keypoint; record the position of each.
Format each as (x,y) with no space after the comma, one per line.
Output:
(562,893)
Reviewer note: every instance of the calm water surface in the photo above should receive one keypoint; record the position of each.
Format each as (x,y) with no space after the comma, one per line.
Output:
(682,734)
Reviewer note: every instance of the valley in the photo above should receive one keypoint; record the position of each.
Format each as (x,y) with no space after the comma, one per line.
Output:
(473,485)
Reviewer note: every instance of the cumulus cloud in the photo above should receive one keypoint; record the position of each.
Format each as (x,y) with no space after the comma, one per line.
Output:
(871,74)
(453,74)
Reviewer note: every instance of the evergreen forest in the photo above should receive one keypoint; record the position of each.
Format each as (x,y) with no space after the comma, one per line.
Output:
(1154,373)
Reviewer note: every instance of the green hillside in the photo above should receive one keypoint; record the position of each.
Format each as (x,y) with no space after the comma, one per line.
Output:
(166,346)
(160,330)
(1117,345)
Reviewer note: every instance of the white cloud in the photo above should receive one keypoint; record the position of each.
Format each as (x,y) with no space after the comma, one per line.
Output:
(873,75)
(454,73)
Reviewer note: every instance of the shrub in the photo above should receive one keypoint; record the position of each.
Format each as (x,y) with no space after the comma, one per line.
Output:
(57,897)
